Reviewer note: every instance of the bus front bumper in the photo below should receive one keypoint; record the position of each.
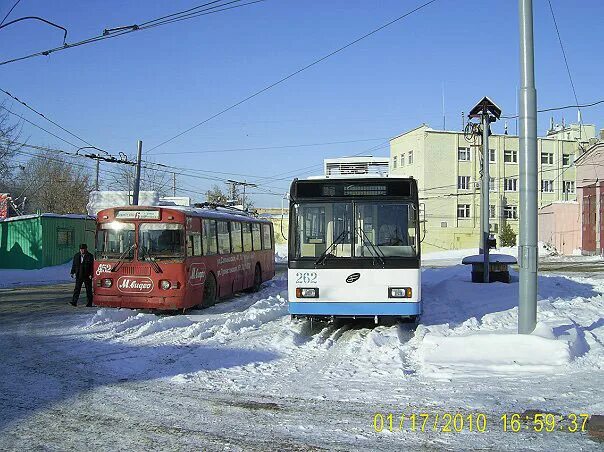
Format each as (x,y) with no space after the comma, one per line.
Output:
(140,302)
(355,309)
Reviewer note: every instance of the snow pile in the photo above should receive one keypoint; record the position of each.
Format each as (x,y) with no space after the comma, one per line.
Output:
(108,315)
(100,200)
(494,352)
(470,329)
(48,275)
(281,253)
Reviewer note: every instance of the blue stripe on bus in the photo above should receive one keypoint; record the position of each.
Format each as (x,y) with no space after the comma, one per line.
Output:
(356,308)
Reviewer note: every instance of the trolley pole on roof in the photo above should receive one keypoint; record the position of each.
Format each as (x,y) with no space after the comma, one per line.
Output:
(137,180)
(527,250)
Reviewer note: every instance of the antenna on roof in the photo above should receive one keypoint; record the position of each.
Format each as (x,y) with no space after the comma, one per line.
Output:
(444,115)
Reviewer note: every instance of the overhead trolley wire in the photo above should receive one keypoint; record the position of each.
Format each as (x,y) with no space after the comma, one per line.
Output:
(119,31)
(566,107)
(45,117)
(293,74)
(10,11)
(570,77)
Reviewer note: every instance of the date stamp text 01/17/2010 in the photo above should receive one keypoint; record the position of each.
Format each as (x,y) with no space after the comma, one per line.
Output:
(479,422)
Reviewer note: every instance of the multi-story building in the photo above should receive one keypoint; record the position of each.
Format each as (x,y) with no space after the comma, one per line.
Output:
(448,171)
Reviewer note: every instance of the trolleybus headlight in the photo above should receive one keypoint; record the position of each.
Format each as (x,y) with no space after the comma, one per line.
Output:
(107,282)
(165,284)
(307,292)
(399,292)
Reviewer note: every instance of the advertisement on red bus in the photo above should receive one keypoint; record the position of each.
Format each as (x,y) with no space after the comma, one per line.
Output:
(171,258)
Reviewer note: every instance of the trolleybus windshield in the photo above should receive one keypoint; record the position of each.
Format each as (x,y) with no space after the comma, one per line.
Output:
(113,239)
(359,229)
(161,241)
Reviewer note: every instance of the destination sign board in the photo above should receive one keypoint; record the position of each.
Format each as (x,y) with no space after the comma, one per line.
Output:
(137,215)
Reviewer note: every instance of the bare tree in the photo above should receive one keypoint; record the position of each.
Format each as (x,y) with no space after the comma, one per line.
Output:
(10,132)
(217,195)
(51,184)
(122,177)
(232,195)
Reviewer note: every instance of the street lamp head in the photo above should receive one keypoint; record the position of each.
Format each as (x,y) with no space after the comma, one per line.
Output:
(485,106)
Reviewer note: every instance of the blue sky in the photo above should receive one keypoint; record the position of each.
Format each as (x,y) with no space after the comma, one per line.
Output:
(153,84)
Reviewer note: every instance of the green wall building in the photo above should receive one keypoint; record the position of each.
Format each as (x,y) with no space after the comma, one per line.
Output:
(37,241)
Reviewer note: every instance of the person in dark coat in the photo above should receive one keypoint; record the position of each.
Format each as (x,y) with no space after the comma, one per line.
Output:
(82,268)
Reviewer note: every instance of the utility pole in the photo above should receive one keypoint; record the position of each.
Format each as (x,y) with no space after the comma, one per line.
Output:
(485,194)
(173,184)
(527,98)
(96,184)
(244,184)
(137,180)
(488,112)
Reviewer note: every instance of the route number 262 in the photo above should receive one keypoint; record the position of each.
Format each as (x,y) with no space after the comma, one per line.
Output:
(306,278)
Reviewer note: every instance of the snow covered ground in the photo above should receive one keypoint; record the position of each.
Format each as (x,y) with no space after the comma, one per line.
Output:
(242,376)
(41,277)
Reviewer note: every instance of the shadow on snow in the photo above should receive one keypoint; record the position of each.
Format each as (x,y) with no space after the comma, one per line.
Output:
(449,296)
(38,371)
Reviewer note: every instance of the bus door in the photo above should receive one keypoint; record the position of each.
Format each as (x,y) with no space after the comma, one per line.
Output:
(237,251)
(226,261)
(194,266)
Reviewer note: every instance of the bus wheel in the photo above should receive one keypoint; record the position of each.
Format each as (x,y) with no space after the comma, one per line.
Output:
(209,292)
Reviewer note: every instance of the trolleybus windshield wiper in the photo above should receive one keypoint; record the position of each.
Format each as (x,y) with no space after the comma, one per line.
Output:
(335,243)
(122,256)
(375,249)
(154,264)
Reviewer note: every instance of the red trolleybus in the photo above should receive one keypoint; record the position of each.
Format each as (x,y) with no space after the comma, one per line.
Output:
(175,258)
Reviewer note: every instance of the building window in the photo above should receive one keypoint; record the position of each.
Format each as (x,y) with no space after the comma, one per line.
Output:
(410,157)
(547,186)
(510,156)
(443,224)
(463,210)
(547,158)
(510,212)
(492,155)
(568,187)
(402,159)
(492,211)
(494,227)
(568,159)
(492,186)
(463,154)
(394,162)
(64,237)
(510,184)
(463,182)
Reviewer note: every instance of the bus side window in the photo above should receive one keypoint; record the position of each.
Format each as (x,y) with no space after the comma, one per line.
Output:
(224,240)
(210,246)
(247,236)
(193,238)
(256,236)
(267,240)
(236,237)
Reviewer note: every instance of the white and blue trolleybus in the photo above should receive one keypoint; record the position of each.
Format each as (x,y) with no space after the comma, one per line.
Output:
(354,248)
